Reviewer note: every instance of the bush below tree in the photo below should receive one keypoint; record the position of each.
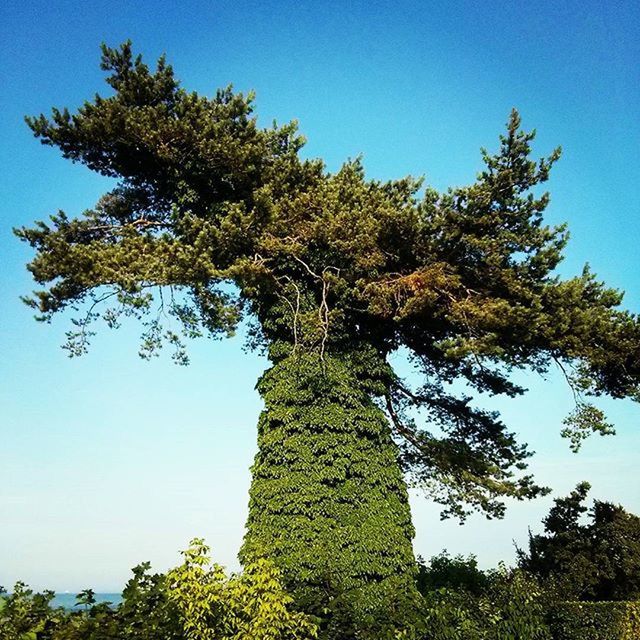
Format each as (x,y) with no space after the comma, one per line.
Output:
(198,601)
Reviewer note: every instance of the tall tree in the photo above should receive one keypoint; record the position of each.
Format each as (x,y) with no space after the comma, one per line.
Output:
(214,219)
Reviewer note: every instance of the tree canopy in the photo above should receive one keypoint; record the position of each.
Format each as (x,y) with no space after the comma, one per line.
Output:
(214,219)
(593,558)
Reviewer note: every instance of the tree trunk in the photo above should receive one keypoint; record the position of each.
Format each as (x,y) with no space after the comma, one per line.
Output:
(328,501)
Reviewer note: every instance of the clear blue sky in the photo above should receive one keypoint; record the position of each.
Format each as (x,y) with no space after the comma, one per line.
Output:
(106,460)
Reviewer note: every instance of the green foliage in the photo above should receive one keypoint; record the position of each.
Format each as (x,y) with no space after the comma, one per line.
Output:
(194,601)
(328,500)
(251,605)
(198,601)
(445,572)
(452,615)
(519,607)
(512,607)
(596,621)
(96,623)
(86,598)
(146,612)
(594,560)
(24,614)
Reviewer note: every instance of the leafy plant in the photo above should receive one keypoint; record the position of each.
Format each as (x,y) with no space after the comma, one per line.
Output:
(519,607)
(512,606)
(253,604)
(194,601)
(595,559)
(25,614)
(457,573)
(596,621)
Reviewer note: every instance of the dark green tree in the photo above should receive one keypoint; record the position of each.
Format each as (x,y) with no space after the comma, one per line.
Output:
(456,573)
(213,219)
(587,554)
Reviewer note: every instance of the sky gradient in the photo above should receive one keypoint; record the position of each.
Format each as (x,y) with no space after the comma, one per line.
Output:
(107,460)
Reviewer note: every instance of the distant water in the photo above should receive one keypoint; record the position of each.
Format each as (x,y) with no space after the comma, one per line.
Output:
(68,600)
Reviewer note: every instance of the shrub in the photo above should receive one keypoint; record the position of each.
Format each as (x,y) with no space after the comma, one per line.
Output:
(194,601)
(453,615)
(595,621)
(23,614)
(513,607)
(518,607)
(249,605)
(458,573)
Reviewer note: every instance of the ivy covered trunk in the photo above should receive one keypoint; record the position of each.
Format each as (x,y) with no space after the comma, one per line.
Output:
(328,502)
